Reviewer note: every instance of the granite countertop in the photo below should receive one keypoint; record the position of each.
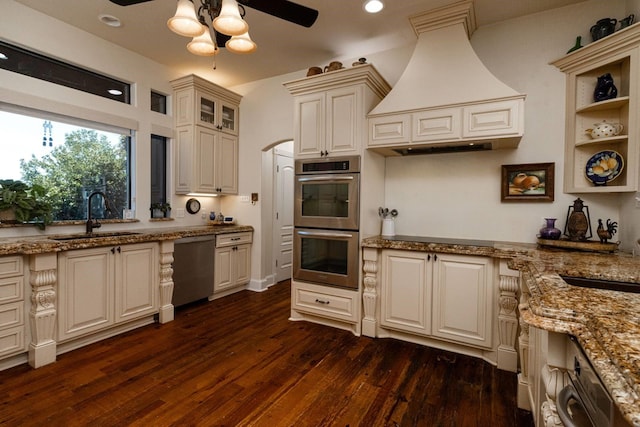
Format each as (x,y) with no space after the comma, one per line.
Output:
(606,322)
(31,245)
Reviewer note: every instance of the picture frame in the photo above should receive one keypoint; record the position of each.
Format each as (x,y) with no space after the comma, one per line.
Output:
(529,182)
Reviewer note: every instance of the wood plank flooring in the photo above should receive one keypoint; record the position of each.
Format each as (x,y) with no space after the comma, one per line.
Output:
(238,361)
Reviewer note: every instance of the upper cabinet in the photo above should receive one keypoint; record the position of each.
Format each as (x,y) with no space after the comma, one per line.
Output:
(207,120)
(602,132)
(331,108)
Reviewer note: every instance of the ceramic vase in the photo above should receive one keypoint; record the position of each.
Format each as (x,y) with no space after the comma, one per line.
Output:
(550,231)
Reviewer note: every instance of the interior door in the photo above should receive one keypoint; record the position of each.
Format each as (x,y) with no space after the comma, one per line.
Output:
(283,216)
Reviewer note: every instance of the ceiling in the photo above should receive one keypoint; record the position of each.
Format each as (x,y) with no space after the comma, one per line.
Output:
(343,32)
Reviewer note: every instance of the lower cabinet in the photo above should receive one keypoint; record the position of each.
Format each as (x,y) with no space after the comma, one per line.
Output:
(12,304)
(104,286)
(438,295)
(332,303)
(232,266)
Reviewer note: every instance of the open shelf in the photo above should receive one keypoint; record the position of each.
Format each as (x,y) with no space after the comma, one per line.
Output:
(618,55)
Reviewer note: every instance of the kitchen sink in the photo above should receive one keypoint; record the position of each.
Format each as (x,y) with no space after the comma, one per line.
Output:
(602,284)
(94,235)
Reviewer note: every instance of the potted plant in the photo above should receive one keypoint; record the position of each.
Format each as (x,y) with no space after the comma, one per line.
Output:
(160,210)
(21,203)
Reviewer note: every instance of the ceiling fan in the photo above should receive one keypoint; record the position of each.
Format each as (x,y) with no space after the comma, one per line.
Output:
(282,9)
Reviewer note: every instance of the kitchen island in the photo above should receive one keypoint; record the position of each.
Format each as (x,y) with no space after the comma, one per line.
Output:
(606,323)
(61,292)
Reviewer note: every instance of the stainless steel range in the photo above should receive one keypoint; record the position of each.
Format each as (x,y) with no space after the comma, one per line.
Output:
(326,219)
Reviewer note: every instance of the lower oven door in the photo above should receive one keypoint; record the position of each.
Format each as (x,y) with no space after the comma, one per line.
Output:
(326,257)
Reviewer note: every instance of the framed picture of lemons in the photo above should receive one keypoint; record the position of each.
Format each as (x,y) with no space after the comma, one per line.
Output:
(531,182)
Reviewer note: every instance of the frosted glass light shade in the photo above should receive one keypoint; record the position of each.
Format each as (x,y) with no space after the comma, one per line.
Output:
(185,22)
(229,21)
(203,44)
(241,44)
(373,6)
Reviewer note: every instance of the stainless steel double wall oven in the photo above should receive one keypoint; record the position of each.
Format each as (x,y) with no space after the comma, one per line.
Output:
(327,221)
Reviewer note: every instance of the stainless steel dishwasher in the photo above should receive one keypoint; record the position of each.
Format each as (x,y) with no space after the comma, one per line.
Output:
(193,269)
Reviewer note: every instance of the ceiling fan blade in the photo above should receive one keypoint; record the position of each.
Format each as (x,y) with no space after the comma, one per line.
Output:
(128,2)
(284,9)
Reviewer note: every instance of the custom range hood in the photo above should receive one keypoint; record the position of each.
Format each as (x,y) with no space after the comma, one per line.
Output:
(446,100)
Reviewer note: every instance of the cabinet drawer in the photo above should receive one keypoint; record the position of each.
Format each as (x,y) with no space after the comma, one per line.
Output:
(389,130)
(494,118)
(232,239)
(435,125)
(11,315)
(11,289)
(326,303)
(10,266)
(12,341)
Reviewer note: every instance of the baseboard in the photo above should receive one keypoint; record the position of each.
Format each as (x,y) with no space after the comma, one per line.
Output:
(261,285)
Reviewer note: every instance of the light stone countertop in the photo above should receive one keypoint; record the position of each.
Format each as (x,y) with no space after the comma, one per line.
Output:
(606,323)
(32,245)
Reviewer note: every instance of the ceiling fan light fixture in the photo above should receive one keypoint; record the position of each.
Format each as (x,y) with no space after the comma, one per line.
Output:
(229,21)
(241,44)
(373,6)
(203,45)
(185,22)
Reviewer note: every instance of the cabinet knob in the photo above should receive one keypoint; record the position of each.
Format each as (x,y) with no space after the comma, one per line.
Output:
(319,301)
(113,250)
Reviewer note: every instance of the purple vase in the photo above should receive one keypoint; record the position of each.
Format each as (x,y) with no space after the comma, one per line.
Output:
(550,232)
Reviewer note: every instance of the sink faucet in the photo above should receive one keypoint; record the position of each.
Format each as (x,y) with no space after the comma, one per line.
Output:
(93,223)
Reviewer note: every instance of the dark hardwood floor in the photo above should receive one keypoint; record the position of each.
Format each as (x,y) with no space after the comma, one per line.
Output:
(238,361)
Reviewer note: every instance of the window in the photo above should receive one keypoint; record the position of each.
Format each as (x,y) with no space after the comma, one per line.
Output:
(38,66)
(70,159)
(158,169)
(158,102)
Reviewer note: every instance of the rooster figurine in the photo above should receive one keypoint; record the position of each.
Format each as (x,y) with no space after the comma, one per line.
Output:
(606,233)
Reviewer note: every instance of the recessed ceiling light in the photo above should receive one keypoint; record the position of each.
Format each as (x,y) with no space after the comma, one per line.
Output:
(109,20)
(115,92)
(3,56)
(373,6)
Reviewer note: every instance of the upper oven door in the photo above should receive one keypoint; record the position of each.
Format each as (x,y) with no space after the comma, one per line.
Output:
(327,201)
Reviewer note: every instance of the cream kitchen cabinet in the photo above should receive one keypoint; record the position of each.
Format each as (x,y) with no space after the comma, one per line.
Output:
(207,120)
(337,307)
(199,102)
(394,134)
(232,265)
(207,161)
(331,108)
(619,55)
(449,297)
(12,306)
(105,286)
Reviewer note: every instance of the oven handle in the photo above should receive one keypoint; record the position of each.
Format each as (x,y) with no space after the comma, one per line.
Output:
(562,404)
(325,234)
(325,178)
